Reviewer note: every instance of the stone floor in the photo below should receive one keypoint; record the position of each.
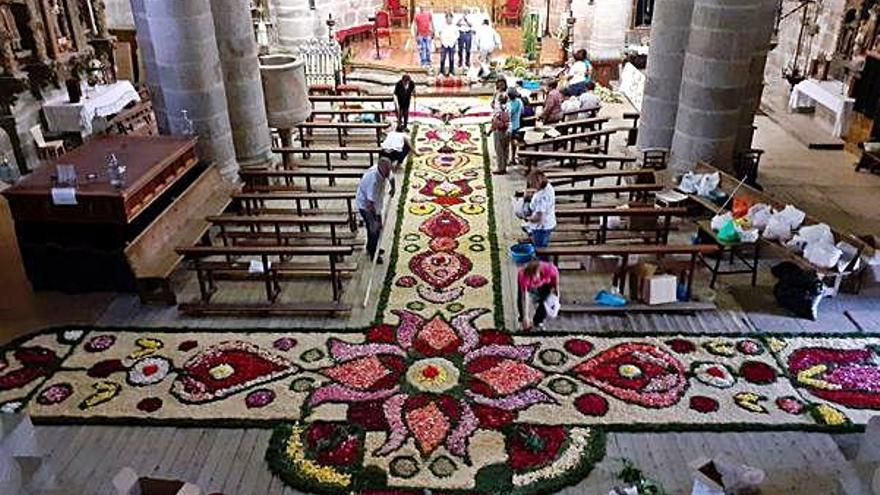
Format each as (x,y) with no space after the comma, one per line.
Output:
(230,460)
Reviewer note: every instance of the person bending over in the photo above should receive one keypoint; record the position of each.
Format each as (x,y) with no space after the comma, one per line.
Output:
(536,280)
(396,146)
(369,199)
(404,91)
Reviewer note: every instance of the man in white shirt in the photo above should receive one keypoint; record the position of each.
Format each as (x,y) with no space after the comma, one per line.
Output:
(448,41)
(369,198)
(488,40)
(397,146)
(542,205)
(589,100)
(465,40)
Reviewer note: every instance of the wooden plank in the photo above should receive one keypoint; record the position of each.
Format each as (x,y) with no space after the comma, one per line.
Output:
(677,307)
(277,309)
(250,444)
(220,454)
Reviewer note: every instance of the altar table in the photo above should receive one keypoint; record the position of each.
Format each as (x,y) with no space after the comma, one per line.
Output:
(829,94)
(97,102)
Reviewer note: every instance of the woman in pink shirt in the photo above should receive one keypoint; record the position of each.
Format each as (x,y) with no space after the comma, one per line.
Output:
(536,280)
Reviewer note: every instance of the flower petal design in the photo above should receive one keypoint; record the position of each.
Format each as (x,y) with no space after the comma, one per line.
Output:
(457,442)
(338,393)
(393,410)
(360,373)
(464,325)
(346,351)
(518,352)
(410,323)
(514,402)
(509,376)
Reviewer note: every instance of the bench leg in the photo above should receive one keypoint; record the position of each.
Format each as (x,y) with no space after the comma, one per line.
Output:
(690,279)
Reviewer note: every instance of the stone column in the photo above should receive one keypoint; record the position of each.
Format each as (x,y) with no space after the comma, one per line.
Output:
(762,33)
(714,78)
(670,29)
(177,41)
(238,51)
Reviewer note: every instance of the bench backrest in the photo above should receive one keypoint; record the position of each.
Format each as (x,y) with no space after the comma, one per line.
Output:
(279,219)
(622,212)
(628,249)
(198,252)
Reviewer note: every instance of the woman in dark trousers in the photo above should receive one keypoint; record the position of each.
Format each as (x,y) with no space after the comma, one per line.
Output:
(536,281)
(404,91)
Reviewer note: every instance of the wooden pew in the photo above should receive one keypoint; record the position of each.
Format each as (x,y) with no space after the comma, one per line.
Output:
(371,152)
(347,99)
(268,180)
(342,130)
(138,120)
(280,237)
(657,220)
(633,131)
(625,251)
(253,203)
(565,177)
(531,158)
(151,255)
(207,272)
(637,192)
(344,113)
(570,115)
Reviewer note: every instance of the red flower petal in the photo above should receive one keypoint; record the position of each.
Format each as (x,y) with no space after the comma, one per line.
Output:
(381,334)
(490,337)
(103,369)
(493,418)
(591,405)
(578,347)
(368,415)
(532,446)
(150,404)
(703,404)
(757,372)
(681,346)
(187,345)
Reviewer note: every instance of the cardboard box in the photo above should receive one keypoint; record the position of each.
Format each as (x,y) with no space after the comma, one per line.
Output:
(127,482)
(660,289)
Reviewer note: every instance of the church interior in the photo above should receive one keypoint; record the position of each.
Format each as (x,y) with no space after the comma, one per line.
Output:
(411,247)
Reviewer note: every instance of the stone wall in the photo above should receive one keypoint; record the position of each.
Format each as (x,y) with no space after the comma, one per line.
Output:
(830,17)
(297,22)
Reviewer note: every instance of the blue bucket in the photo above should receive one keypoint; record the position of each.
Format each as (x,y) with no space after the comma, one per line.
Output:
(522,253)
(531,85)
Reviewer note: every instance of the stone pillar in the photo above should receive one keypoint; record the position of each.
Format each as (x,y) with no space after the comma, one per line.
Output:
(177,43)
(714,78)
(670,29)
(294,20)
(238,50)
(762,33)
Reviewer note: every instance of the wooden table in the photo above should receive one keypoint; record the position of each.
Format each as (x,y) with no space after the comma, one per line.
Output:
(747,252)
(81,247)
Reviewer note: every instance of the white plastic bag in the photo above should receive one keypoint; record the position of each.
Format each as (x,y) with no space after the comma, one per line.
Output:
(819,232)
(759,215)
(521,208)
(849,252)
(552,305)
(792,216)
(721,220)
(708,183)
(748,236)
(822,255)
(738,478)
(777,229)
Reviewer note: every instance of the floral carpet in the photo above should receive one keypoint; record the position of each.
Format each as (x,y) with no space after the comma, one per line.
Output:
(436,394)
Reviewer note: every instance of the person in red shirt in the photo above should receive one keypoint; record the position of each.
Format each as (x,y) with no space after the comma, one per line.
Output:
(536,280)
(423,30)
(553,104)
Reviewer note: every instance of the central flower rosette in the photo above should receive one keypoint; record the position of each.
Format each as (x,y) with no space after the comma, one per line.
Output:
(432,380)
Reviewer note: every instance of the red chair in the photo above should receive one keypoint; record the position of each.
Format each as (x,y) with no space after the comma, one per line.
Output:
(399,13)
(382,26)
(512,11)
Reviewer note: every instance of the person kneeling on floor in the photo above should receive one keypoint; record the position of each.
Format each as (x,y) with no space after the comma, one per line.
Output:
(369,200)
(396,146)
(538,281)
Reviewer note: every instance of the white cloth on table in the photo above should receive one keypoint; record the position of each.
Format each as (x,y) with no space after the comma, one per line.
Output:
(829,94)
(103,100)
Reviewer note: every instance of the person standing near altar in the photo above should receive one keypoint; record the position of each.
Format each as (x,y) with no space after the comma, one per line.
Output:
(404,91)
(488,40)
(448,41)
(423,30)
(465,40)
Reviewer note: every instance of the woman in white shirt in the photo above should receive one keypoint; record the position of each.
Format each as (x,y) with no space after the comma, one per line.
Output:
(578,74)
(396,146)
(542,205)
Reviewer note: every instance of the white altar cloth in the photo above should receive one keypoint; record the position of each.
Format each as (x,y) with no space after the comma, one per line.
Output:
(829,94)
(103,100)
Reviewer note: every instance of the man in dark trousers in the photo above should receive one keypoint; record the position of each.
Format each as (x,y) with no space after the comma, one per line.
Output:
(404,91)
(369,200)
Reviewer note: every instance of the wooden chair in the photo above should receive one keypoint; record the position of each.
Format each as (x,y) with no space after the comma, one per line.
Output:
(512,11)
(655,158)
(746,165)
(399,13)
(46,149)
(382,26)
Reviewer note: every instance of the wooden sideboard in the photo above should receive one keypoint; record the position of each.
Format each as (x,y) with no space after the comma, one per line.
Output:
(81,247)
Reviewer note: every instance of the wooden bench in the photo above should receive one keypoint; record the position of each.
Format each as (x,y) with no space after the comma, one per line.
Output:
(633,131)
(345,113)
(562,177)
(151,255)
(372,152)
(728,183)
(349,99)
(656,220)
(566,116)
(342,130)
(254,223)
(625,251)
(262,180)
(252,203)
(199,259)
(139,120)
(637,192)
(531,158)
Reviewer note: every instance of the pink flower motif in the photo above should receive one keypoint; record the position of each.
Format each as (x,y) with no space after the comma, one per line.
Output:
(259,398)
(791,405)
(476,281)
(425,395)
(406,281)
(284,344)
(55,394)
(100,343)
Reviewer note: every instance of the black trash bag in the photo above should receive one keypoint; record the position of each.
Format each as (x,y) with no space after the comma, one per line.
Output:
(798,290)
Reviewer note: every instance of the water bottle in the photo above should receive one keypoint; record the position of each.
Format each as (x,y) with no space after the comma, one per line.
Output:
(116,171)
(187,126)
